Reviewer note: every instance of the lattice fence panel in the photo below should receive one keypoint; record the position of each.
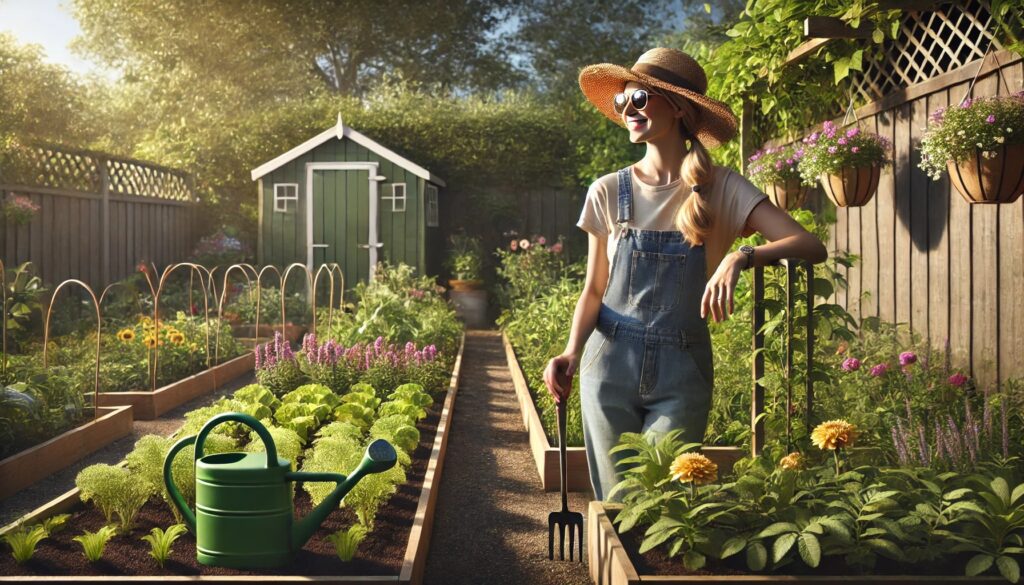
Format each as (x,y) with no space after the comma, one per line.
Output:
(129,177)
(929,43)
(45,166)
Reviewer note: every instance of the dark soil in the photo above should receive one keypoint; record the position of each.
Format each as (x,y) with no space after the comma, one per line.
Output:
(381,553)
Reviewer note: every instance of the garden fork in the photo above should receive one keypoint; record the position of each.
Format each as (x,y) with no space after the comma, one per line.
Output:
(564,519)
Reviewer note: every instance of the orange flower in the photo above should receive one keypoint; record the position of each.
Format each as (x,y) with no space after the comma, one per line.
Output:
(694,467)
(792,461)
(842,348)
(834,434)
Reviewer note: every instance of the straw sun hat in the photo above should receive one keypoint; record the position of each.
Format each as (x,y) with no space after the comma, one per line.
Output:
(670,71)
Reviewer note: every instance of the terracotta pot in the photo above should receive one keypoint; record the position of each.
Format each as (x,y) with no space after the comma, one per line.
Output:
(462,285)
(789,195)
(990,180)
(853,186)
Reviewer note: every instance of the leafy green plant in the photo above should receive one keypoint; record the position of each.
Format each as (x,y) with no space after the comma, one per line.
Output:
(397,431)
(832,149)
(94,543)
(115,491)
(347,541)
(372,492)
(160,542)
(465,257)
(23,302)
(982,124)
(288,442)
(995,528)
(23,541)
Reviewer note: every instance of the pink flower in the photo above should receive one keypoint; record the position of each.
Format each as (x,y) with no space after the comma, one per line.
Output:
(957,380)
(789,161)
(851,364)
(842,140)
(852,132)
(831,150)
(542,240)
(907,358)
(854,149)
(524,244)
(557,248)
(879,370)
(990,119)
(513,245)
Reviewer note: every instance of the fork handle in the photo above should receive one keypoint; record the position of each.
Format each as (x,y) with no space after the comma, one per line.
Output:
(560,406)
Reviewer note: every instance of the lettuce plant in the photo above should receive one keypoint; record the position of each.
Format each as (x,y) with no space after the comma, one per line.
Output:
(347,541)
(23,541)
(94,543)
(160,542)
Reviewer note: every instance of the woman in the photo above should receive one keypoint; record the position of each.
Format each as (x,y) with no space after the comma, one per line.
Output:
(659,231)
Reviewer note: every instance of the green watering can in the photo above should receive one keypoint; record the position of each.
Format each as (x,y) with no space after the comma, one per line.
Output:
(244,511)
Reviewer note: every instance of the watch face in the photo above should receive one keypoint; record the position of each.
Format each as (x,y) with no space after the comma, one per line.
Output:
(747,249)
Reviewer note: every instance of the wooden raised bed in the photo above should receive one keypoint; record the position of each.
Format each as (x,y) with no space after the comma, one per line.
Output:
(417,547)
(545,455)
(35,463)
(152,405)
(610,563)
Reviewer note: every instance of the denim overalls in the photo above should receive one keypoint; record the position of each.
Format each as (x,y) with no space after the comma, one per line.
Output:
(647,365)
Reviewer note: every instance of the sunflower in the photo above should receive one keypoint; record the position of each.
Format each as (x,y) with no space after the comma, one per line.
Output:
(177,338)
(834,434)
(126,335)
(793,461)
(694,467)
(150,341)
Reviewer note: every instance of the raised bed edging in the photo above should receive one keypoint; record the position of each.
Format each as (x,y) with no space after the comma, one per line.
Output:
(152,405)
(415,553)
(545,455)
(23,469)
(610,565)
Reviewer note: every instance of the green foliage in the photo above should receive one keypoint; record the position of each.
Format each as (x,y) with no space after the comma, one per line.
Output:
(115,491)
(339,428)
(36,409)
(304,409)
(94,543)
(776,164)
(465,257)
(335,454)
(160,542)
(23,541)
(372,492)
(982,124)
(296,309)
(287,441)
(255,393)
(396,430)
(23,308)
(347,541)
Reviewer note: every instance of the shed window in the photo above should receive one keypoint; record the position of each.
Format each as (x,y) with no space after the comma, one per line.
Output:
(432,206)
(397,197)
(283,193)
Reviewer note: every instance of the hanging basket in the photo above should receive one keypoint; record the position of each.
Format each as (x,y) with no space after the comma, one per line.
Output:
(788,195)
(853,186)
(999,179)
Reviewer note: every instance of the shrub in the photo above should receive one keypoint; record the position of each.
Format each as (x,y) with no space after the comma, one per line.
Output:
(94,543)
(115,491)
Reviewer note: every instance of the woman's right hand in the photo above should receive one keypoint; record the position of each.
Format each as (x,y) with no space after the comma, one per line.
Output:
(558,375)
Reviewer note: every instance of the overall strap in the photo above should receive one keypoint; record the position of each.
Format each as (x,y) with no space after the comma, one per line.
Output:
(625,213)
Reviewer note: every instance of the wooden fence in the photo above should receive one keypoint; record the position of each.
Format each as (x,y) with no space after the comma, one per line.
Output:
(952,271)
(98,217)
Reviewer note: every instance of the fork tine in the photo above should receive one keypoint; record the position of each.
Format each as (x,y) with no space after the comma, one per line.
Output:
(551,540)
(580,541)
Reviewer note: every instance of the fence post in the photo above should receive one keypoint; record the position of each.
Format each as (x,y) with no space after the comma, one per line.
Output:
(104,222)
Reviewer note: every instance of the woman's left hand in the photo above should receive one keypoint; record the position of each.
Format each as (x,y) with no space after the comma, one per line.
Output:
(718,294)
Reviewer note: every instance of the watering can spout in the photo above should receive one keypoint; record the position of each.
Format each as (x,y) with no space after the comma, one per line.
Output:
(380,456)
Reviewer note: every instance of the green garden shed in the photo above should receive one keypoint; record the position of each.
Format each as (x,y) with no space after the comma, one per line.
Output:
(343,197)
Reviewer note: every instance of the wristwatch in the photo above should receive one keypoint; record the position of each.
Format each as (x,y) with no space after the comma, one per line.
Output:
(749,251)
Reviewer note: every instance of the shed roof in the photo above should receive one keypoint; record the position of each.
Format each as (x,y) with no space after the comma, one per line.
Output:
(340,131)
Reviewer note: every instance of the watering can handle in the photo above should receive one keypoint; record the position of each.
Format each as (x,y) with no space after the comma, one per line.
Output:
(176,498)
(249,421)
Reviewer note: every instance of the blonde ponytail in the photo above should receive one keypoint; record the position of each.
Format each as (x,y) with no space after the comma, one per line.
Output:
(694,216)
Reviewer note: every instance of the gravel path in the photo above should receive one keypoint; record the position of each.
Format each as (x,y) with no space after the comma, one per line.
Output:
(47,489)
(491,517)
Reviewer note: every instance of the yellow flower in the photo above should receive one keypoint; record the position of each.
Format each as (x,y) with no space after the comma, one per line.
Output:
(150,341)
(834,434)
(694,467)
(792,461)
(193,347)
(177,338)
(126,335)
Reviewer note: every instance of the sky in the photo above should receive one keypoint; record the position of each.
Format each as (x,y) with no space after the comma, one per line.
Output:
(48,23)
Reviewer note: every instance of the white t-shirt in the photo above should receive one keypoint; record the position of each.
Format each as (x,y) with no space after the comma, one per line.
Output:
(732,199)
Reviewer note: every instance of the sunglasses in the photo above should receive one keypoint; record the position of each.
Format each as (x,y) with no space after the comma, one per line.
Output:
(638,98)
